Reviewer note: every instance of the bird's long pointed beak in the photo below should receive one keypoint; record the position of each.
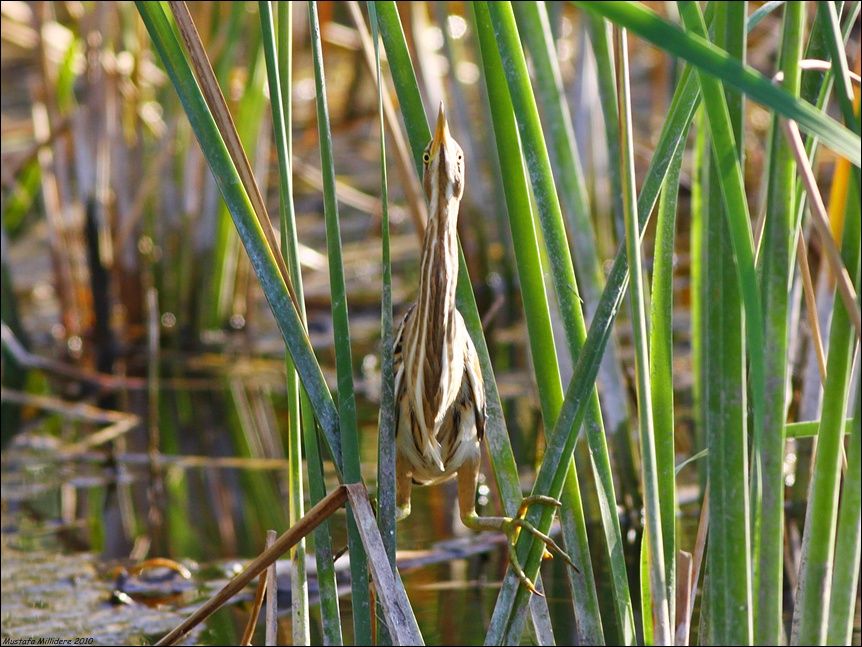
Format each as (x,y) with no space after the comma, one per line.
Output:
(441,132)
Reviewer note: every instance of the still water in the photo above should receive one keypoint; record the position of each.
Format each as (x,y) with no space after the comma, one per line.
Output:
(70,524)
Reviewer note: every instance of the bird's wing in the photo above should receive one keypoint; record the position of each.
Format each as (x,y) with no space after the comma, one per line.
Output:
(425,446)
(398,362)
(473,373)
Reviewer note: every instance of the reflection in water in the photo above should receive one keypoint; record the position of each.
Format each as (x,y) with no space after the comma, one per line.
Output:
(452,575)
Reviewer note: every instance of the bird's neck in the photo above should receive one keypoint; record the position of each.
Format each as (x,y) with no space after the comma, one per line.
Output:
(439,274)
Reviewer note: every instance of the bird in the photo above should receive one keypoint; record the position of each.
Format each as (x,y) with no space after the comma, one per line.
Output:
(439,389)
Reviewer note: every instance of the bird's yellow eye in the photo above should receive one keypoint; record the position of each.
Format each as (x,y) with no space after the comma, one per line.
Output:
(426,157)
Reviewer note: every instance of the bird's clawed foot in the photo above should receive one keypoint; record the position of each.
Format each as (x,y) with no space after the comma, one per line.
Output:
(512,529)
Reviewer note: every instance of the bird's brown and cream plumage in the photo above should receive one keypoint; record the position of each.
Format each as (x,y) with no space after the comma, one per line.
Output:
(440,395)
(438,381)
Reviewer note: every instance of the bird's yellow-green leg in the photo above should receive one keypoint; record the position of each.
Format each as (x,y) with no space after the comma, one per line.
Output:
(403,486)
(468,476)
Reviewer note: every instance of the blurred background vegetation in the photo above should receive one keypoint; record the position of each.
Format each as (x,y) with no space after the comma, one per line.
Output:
(146,412)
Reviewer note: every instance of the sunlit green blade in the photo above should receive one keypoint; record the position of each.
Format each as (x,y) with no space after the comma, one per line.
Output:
(662,630)
(533,25)
(600,40)
(762,11)
(537,313)
(779,237)
(566,288)
(661,371)
(722,124)
(845,578)
(810,615)
(697,238)
(724,385)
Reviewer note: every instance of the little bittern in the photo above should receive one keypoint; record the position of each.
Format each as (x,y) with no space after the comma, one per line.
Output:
(439,390)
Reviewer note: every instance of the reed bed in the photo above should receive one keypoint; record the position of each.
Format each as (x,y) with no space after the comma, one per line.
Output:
(685,280)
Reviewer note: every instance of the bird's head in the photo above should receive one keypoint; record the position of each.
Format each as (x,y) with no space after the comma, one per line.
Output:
(443,165)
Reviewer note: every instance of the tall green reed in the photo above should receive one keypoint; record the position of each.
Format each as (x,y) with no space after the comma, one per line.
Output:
(662,630)
(386,436)
(661,357)
(778,240)
(277,49)
(533,23)
(572,414)
(741,313)
(723,384)
(845,578)
(496,436)
(361,601)
(329,606)
(811,613)
(522,221)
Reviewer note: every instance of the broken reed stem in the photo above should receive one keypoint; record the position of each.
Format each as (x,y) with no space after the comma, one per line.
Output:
(821,224)
(400,620)
(810,303)
(248,632)
(817,208)
(271,596)
(285,542)
(215,100)
(684,571)
(415,199)
(697,560)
